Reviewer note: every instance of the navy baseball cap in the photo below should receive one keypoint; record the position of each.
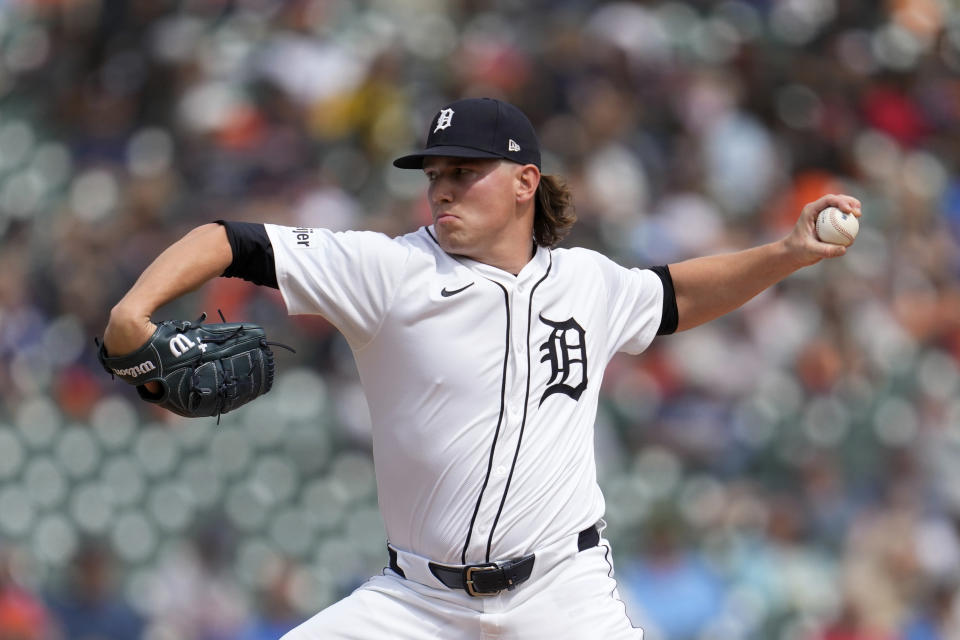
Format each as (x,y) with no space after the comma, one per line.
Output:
(478,128)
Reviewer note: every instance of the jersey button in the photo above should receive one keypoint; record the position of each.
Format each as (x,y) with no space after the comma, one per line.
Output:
(500,471)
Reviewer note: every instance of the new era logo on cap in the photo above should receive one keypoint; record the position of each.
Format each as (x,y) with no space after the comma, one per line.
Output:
(478,128)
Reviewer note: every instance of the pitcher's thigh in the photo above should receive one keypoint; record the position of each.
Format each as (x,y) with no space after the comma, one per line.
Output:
(580,601)
(384,607)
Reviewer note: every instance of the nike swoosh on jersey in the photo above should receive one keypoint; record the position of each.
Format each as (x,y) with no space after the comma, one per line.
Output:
(447,294)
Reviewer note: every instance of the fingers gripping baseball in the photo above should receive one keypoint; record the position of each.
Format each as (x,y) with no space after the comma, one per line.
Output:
(804,241)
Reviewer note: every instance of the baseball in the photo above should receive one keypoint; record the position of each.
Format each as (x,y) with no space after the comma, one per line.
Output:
(836,227)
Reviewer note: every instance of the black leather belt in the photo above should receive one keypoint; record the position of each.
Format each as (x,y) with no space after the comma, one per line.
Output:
(490,578)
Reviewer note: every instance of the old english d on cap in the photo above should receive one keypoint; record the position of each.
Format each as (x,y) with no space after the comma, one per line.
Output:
(478,128)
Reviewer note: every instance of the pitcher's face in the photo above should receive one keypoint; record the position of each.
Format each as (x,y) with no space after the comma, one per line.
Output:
(474,205)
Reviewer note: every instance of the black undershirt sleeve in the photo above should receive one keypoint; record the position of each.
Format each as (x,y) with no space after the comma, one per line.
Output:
(252,253)
(669,318)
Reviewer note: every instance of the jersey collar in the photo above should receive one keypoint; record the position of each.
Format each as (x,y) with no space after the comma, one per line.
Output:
(531,272)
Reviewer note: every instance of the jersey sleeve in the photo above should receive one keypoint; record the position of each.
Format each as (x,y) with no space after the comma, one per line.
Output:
(635,304)
(350,278)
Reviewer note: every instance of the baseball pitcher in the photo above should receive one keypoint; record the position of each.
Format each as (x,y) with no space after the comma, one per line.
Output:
(481,348)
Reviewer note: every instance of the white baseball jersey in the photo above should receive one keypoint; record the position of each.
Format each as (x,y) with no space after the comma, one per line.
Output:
(482,385)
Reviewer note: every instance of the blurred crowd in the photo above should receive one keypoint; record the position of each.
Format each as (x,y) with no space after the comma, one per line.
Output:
(788,472)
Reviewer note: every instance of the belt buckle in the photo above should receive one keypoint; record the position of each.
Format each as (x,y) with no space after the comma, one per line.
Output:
(468,580)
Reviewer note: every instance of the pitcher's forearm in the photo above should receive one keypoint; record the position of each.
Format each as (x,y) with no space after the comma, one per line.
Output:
(200,256)
(707,288)
(710,287)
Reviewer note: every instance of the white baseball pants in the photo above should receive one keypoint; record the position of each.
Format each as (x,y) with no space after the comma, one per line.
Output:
(570,595)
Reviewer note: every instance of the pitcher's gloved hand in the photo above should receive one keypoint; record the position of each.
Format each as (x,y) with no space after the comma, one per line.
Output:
(203,369)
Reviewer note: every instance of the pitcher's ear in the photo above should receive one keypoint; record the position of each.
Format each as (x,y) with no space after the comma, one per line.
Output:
(528,179)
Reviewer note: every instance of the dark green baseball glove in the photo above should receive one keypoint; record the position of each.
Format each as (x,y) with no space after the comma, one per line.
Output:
(204,369)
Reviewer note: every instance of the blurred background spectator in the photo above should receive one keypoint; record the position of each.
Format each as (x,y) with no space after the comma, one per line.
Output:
(808,446)
(87,606)
(22,614)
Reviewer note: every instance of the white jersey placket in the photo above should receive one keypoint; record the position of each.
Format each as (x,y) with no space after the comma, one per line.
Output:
(506,446)
(509,442)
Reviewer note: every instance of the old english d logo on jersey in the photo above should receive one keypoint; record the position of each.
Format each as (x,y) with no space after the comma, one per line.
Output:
(566,352)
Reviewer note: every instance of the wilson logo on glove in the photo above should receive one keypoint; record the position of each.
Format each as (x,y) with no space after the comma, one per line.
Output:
(138,370)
